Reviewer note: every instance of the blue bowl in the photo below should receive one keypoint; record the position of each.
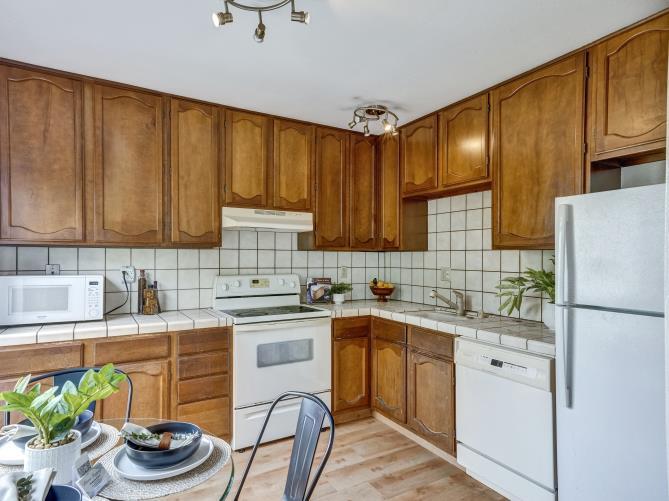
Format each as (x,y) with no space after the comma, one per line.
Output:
(63,493)
(82,425)
(147,457)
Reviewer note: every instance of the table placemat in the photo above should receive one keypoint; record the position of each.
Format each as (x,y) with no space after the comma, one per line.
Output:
(104,443)
(123,489)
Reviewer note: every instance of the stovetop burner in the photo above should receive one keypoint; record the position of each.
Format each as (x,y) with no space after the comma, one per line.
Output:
(270,310)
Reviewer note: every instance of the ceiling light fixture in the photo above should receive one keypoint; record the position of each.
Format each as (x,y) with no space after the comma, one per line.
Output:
(374,113)
(225,17)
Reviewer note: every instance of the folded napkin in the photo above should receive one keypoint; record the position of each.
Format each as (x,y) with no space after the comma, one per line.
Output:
(14,431)
(24,486)
(143,437)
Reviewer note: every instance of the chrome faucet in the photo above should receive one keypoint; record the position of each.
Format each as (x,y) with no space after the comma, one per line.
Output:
(458,306)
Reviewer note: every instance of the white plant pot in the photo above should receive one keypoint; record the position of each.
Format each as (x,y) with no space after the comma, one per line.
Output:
(338,298)
(60,458)
(548,315)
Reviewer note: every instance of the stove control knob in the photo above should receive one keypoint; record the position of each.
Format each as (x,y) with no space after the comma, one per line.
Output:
(282,281)
(225,287)
(292,285)
(236,283)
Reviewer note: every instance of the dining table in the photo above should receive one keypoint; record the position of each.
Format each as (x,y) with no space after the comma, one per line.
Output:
(216,487)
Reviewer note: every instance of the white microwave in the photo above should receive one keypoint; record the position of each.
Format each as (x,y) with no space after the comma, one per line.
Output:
(43,299)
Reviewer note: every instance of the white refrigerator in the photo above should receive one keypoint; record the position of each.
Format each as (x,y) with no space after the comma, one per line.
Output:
(610,346)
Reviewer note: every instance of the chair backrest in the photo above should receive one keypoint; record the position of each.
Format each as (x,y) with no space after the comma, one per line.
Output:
(313,413)
(75,375)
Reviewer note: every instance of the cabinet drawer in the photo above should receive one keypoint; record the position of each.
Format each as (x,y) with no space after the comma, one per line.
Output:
(213,416)
(205,364)
(389,330)
(203,388)
(131,350)
(347,328)
(431,341)
(203,340)
(40,359)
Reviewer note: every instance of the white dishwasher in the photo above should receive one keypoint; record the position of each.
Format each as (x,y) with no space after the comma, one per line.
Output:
(505,419)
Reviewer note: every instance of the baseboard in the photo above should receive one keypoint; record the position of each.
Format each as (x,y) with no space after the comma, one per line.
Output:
(419,440)
(352,415)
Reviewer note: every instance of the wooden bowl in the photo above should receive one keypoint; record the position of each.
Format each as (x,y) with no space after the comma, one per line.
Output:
(382,293)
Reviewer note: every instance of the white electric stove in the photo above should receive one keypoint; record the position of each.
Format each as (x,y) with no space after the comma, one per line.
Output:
(279,345)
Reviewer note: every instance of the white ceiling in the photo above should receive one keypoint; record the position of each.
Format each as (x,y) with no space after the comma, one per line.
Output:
(415,55)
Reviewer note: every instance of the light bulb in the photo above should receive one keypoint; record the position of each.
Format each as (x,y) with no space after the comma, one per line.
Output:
(221,18)
(299,17)
(259,34)
(387,126)
(351,124)
(366,130)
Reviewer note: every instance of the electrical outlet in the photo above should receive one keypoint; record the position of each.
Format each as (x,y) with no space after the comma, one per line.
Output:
(52,269)
(130,273)
(445,274)
(343,272)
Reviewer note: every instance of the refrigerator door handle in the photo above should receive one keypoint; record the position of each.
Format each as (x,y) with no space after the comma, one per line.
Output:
(566,357)
(563,221)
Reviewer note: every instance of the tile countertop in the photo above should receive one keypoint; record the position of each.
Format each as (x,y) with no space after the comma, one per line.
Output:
(520,334)
(523,335)
(114,325)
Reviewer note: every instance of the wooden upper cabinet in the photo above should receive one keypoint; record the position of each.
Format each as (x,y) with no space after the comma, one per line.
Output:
(362,199)
(127,158)
(389,204)
(463,143)
(629,91)
(332,181)
(537,152)
(194,162)
(247,142)
(419,155)
(292,173)
(41,157)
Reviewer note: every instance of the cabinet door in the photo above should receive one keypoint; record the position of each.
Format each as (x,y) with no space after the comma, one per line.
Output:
(537,152)
(431,394)
(362,199)
(389,192)
(194,162)
(247,140)
(150,395)
(127,166)
(389,379)
(419,155)
(350,373)
(331,188)
(41,162)
(293,165)
(463,143)
(629,91)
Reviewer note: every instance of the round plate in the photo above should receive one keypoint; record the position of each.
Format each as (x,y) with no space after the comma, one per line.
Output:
(91,435)
(130,470)
(12,455)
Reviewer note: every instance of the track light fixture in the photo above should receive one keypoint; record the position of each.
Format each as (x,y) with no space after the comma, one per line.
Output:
(225,17)
(374,113)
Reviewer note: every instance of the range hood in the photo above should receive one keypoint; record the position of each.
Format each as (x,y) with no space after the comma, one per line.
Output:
(235,218)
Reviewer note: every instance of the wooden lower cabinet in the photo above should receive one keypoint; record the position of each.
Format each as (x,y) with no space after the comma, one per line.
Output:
(431,394)
(389,378)
(350,372)
(150,396)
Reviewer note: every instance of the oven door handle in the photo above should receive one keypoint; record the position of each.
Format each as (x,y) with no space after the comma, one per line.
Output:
(285,324)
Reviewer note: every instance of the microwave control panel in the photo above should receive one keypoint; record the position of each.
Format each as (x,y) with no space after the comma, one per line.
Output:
(94,297)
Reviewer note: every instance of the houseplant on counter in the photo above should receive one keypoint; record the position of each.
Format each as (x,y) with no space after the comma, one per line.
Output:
(339,291)
(512,289)
(54,414)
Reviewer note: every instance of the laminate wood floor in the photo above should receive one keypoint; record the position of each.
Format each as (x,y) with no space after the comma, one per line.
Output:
(370,461)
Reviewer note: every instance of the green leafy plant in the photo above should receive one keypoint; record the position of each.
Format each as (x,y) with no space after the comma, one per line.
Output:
(341,288)
(512,289)
(54,413)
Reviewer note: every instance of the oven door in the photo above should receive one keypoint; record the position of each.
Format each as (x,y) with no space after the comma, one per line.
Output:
(274,357)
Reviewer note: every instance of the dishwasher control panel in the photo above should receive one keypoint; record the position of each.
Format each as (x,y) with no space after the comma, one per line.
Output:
(533,370)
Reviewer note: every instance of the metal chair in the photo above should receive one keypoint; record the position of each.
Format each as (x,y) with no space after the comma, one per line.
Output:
(313,412)
(74,375)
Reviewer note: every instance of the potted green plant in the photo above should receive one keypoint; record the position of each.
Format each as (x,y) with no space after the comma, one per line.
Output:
(53,413)
(339,291)
(512,289)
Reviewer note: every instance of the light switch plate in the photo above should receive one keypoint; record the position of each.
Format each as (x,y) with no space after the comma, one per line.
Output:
(343,272)
(445,274)
(52,269)
(130,273)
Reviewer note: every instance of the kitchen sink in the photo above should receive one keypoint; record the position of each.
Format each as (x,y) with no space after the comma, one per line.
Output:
(442,315)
